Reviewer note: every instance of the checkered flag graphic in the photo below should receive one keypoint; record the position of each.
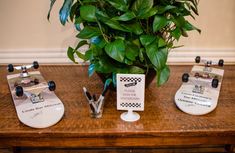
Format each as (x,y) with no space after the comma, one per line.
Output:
(131,105)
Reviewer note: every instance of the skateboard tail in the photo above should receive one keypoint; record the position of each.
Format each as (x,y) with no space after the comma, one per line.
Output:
(41,115)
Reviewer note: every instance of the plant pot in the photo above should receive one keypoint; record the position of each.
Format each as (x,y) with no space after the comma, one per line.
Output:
(148,79)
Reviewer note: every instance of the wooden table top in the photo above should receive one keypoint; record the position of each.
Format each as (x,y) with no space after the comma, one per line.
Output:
(161,120)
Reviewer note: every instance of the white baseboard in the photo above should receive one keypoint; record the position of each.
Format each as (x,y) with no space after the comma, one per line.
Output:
(59,56)
(43,56)
(187,55)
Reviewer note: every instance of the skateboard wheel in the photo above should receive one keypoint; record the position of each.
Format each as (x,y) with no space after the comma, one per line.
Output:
(51,85)
(35,65)
(10,68)
(197,75)
(19,91)
(221,62)
(215,83)
(185,77)
(198,59)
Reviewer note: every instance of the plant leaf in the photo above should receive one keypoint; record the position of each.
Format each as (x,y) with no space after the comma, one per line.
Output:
(159,22)
(147,39)
(141,7)
(141,55)
(91,70)
(77,23)
(163,9)
(89,32)
(98,41)
(132,51)
(103,65)
(70,54)
(96,51)
(74,11)
(87,12)
(114,75)
(179,21)
(115,25)
(176,33)
(119,4)
(80,44)
(136,42)
(136,70)
(150,13)
(161,42)
(89,1)
(188,26)
(125,17)
(116,50)
(157,56)
(127,61)
(106,85)
(110,22)
(80,55)
(77,26)
(89,55)
(163,75)
(95,40)
(134,27)
(102,16)
(51,6)
(65,11)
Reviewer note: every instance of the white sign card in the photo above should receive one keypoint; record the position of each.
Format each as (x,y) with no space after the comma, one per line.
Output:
(130,92)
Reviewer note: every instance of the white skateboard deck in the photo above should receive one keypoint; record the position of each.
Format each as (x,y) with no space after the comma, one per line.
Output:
(197,96)
(40,114)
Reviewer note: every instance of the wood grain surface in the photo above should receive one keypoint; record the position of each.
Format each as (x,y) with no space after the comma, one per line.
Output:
(161,123)
(206,149)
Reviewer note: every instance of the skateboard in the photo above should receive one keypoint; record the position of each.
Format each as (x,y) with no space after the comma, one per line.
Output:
(35,102)
(199,92)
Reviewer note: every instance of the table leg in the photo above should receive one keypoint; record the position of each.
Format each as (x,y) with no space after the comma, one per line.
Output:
(16,149)
(229,148)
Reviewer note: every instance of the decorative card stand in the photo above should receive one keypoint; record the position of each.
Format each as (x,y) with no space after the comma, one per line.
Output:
(130,95)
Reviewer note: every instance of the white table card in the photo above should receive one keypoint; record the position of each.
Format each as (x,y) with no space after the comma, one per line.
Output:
(130,95)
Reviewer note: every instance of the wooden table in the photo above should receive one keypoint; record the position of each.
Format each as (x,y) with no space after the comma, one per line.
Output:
(162,124)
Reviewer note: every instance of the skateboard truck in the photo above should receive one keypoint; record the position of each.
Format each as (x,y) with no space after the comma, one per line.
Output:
(35,92)
(23,68)
(209,63)
(214,83)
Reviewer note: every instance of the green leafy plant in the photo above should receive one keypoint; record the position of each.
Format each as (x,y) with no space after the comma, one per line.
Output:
(127,36)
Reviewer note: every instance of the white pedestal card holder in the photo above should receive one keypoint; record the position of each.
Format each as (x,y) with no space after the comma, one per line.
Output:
(130,95)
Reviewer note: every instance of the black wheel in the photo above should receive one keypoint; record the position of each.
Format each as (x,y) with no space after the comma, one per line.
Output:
(215,83)
(221,62)
(36,81)
(19,91)
(35,65)
(198,59)
(10,68)
(185,77)
(51,86)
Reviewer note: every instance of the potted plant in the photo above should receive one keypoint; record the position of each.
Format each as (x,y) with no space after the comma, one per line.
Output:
(127,36)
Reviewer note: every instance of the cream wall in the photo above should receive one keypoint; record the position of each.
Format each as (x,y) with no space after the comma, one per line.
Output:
(217,22)
(26,35)
(24,25)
